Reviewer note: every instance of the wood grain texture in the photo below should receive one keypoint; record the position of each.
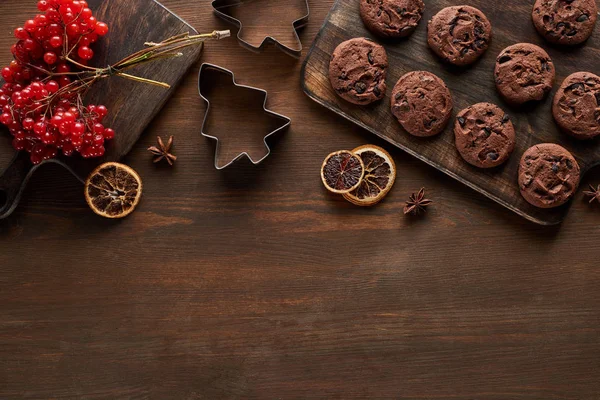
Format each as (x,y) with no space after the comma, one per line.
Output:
(132,23)
(254,282)
(534,123)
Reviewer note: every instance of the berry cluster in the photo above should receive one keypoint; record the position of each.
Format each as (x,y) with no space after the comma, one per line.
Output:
(41,101)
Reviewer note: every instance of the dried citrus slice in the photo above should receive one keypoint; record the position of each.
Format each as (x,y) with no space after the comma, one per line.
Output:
(342,171)
(113,190)
(380,175)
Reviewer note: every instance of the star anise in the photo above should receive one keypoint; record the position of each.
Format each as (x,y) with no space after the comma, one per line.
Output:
(163,151)
(594,193)
(417,203)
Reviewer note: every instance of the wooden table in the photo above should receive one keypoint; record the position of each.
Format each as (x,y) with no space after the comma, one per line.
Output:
(253,282)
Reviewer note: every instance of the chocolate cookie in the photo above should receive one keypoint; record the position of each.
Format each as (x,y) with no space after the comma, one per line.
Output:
(459,35)
(484,135)
(422,103)
(524,72)
(392,18)
(548,175)
(357,71)
(566,22)
(576,106)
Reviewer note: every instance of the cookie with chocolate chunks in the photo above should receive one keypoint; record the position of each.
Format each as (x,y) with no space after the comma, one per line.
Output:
(391,18)
(459,35)
(548,175)
(576,106)
(524,72)
(566,22)
(357,71)
(422,103)
(484,135)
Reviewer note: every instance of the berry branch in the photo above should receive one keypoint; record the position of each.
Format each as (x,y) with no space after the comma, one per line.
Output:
(41,102)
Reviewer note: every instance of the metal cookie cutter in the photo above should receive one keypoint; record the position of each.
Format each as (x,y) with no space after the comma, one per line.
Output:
(220,7)
(284,121)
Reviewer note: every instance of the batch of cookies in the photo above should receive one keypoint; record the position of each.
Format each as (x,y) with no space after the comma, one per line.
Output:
(484,134)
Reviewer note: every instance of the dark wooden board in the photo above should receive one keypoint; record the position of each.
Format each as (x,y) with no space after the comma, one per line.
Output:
(131,105)
(511,21)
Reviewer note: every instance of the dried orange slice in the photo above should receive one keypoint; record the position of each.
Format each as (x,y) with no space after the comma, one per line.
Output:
(342,171)
(380,175)
(113,190)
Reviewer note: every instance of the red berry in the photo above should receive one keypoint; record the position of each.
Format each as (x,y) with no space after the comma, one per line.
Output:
(29,44)
(85,53)
(85,14)
(78,129)
(53,15)
(7,74)
(52,86)
(99,151)
(63,68)
(73,30)
(42,5)
(65,129)
(38,149)
(18,144)
(99,129)
(109,134)
(30,25)
(56,120)
(101,28)
(56,41)
(64,81)
(36,158)
(50,153)
(41,20)
(101,111)
(40,34)
(50,58)
(68,149)
(77,140)
(68,117)
(55,30)
(6,118)
(98,140)
(21,34)
(39,128)
(28,124)
(36,86)
(49,138)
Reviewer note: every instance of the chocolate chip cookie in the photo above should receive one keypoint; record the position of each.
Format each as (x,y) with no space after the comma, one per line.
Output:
(484,134)
(524,72)
(548,175)
(567,22)
(576,106)
(422,103)
(392,18)
(357,71)
(459,35)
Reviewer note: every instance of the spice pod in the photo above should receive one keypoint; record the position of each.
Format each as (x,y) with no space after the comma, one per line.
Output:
(224,98)
(265,22)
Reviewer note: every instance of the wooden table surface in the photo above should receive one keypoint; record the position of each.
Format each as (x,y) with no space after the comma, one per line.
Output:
(253,282)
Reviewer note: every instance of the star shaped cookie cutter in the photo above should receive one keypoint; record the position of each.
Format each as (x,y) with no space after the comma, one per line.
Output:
(220,6)
(284,121)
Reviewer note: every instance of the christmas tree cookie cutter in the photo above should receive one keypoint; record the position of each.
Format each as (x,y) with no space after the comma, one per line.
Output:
(218,89)
(222,8)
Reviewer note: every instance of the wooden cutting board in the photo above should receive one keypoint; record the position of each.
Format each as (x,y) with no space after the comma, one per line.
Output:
(511,21)
(131,105)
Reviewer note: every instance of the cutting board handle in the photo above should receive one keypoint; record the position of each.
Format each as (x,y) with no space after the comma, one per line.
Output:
(13,181)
